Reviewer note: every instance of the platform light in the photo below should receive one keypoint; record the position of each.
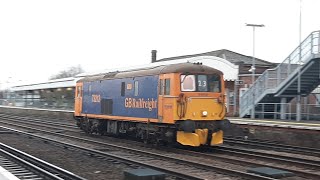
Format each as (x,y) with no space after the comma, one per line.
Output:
(69,89)
(253,68)
(298,104)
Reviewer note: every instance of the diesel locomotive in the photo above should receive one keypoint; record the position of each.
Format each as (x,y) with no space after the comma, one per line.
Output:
(182,103)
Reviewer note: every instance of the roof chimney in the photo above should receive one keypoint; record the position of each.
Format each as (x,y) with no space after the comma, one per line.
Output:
(153,56)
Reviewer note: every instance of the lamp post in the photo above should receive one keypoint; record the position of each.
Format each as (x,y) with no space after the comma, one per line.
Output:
(298,118)
(253,68)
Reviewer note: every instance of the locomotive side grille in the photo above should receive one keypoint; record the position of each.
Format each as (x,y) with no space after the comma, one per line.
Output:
(106,106)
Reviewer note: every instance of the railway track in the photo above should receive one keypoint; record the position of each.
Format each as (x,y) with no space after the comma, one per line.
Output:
(299,166)
(272,145)
(263,155)
(204,167)
(180,168)
(59,126)
(47,123)
(62,125)
(27,167)
(39,117)
(42,121)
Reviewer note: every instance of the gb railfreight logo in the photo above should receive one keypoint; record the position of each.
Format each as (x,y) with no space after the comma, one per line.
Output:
(141,103)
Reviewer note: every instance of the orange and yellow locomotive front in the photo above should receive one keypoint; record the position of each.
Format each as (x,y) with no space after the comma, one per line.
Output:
(195,103)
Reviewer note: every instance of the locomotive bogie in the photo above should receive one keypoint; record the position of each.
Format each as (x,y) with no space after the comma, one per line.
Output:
(152,132)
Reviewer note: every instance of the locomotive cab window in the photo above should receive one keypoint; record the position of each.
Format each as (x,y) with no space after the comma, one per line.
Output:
(200,83)
(167,87)
(188,83)
(214,83)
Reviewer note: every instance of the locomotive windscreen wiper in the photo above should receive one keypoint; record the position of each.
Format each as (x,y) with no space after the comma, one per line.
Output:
(185,75)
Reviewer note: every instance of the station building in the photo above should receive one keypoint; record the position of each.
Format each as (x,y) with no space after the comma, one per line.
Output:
(53,94)
(236,68)
(59,94)
(275,85)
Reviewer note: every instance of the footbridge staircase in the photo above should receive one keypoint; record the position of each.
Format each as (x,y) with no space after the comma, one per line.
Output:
(281,83)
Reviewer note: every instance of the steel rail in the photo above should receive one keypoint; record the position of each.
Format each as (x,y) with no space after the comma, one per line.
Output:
(272,145)
(44,169)
(287,159)
(43,124)
(239,161)
(303,162)
(170,171)
(30,119)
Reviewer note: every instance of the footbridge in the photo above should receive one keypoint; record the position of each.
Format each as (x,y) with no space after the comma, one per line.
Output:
(276,87)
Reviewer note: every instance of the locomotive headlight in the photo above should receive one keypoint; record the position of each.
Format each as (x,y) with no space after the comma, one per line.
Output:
(204,113)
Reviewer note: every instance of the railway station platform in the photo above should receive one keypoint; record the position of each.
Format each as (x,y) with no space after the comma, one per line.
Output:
(290,132)
(6,175)
(312,125)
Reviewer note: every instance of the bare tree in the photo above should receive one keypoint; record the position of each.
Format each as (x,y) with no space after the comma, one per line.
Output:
(70,72)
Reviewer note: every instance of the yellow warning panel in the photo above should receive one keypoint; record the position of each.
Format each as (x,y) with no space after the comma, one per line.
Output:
(203,135)
(217,138)
(189,139)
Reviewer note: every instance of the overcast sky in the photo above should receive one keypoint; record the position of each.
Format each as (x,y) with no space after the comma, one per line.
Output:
(40,38)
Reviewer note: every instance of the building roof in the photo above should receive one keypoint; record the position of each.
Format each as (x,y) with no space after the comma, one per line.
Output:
(233,57)
(162,69)
(224,60)
(229,69)
(57,83)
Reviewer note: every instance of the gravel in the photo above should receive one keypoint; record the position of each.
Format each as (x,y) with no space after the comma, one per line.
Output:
(73,161)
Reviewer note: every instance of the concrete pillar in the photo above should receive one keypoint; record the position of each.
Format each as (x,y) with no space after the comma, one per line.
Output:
(283,108)
(228,99)
(235,94)
(319,43)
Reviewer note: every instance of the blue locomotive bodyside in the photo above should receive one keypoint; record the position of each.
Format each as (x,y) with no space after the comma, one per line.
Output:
(127,97)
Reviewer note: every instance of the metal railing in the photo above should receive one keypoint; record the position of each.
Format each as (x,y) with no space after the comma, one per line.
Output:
(308,111)
(275,78)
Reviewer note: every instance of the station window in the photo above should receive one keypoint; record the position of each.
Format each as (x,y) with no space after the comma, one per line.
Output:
(167,87)
(136,88)
(230,97)
(123,88)
(317,100)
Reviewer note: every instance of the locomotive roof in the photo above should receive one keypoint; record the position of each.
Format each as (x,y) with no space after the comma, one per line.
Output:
(162,69)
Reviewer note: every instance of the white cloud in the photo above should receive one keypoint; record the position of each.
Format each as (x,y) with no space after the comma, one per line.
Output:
(40,38)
